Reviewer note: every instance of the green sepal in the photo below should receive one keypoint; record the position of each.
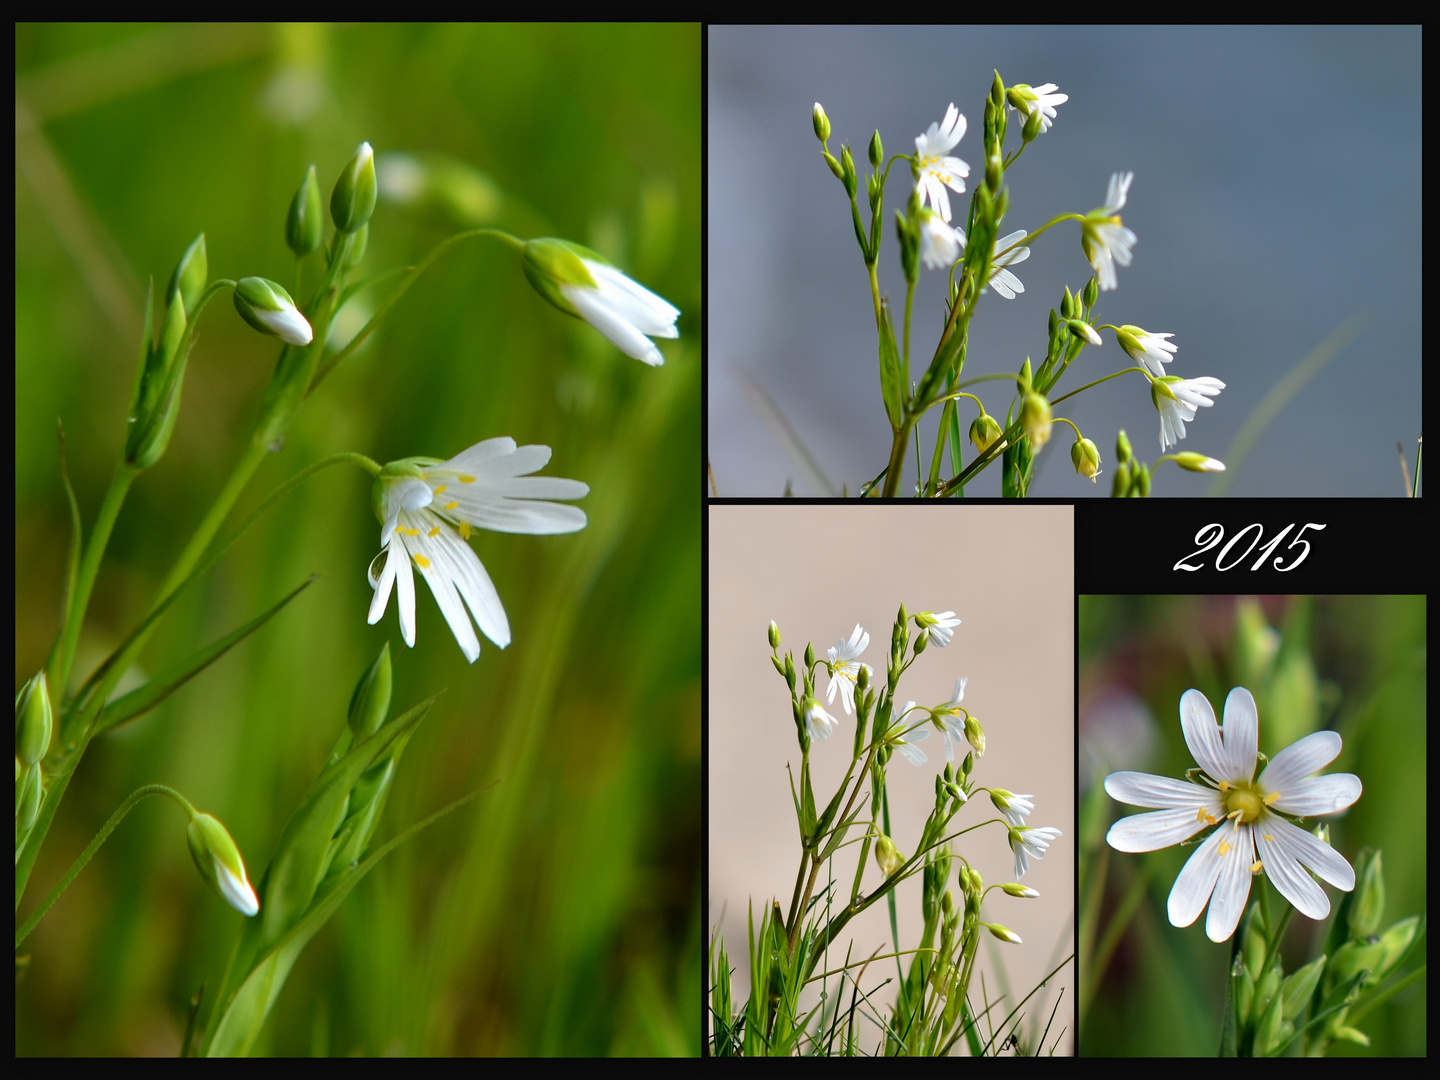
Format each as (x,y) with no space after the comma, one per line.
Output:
(305,224)
(890,375)
(550,263)
(1300,986)
(1369,904)
(144,698)
(370,703)
(353,199)
(190,276)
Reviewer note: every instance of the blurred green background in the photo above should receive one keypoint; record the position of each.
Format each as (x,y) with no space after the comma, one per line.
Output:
(559,913)
(1355,664)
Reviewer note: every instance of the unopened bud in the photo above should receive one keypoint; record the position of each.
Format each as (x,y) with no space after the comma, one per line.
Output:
(1035,415)
(993,173)
(1067,305)
(1004,933)
(34,721)
(353,200)
(1120,481)
(997,91)
(190,275)
(370,703)
(218,860)
(1084,331)
(1188,459)
(821,122)
(886,857)
(975,736)
(834,165)
(774,635)
(1086,457)
(268,308)
(847,165)
(1031,130)
(305,224)
(1016,889)
(1122,447)
(877,150)
(809,655)
(1092,292)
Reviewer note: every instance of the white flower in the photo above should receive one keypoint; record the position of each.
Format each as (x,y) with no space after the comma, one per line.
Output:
(1151,351)
(939,628)
(579,282)
(1015,808)
(845,667)
(1026,842)
(818,722)
(906,743)
(1247,811)
(427,509)
(934,171)
(1006,283)
(1176,400)
(940,245)
(1043,98)
(1105,240)
(947,718)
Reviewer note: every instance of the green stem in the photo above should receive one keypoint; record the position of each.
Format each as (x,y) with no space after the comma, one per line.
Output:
(1097,382)
(909,302)
(89,852)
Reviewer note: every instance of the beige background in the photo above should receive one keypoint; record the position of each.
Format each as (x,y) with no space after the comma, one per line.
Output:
(1007,572)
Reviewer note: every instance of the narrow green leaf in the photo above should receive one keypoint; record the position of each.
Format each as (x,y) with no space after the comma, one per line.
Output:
(890,377)
(72,571)
(144,698)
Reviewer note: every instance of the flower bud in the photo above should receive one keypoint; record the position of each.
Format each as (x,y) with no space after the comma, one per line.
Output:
(968,763)
(1120,481)
(809,655)
(1035,415)
(268,308)
(353,200)
(1003,933)
(984,431)
(975,736)
(190,275)
(1140,482)
(1092,292)
(1031,130)
(1016,889)
(847,165)
(355,250)
(790,670)
(218,860)
(1067,305)
(774,635)
(886,857)
(1122,447)
(34,721)
(834,165)
(29,793)
(920,643)
(305,224)
(1188,459)
(993,173)
(877,150)
(997,91)
(1084,331)
(821,122)
(157,396)
(370,703)
(1086,457)
(862,679)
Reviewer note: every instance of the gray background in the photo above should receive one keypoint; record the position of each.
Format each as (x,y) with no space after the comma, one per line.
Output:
(1276,193)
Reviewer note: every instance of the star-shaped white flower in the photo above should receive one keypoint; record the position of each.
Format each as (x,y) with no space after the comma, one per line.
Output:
(1150,351)
(940,245)
(934,169)
(947,718)
(1105,240)
(1176,400)
(845,667)
(1028,843)
(938,627)
(1253,832)
(1007,254)
(818,723)
(427,509)
(1014,808)
(904,741)
(1031,98)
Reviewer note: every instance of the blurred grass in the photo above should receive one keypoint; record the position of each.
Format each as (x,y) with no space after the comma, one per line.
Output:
(559,915)
(1352,663)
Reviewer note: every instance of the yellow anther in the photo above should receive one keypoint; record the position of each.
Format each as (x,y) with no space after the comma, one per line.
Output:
(440,490)
(467,479)
(1201,815)
(1224,785)
(450,505)
(1224,845)
(408,531)
(422,562)
(1269,837)
(435,531)
(464,530)
(1272,798)
(1255,866)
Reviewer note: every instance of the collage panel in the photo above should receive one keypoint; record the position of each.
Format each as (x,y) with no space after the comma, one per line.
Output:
(924,655)
(1252,825)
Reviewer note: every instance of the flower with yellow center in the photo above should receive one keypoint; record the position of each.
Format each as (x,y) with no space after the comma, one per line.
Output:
(427,509)
(1254,833)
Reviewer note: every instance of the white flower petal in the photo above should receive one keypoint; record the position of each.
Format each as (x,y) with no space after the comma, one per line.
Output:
(405,595)
(472,582)
(1293,882)
(1300,759)
(1161,792)
(394,555)
(621,333)
(437,574)
(236,890)
(1242,735)
(1196,881)
(1236,854)
(1319,795)
(1151,832)
(650,314)
(1311,852)
(1202,733)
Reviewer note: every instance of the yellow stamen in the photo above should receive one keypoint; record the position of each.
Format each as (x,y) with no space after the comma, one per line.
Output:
(450,505)
(1272,798)
(440,490)
(464,530)
(467,479)
(1224,845)
(1224,785)
(422,562)
(1269,837)
(408,531)
(1255,866)
(435,531)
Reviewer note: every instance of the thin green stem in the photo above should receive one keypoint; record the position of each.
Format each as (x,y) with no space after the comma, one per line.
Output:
(1097,382)
(89,852)
(909,303)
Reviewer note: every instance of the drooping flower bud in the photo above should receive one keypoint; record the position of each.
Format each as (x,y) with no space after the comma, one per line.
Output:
(1188,459)
(887,857)
(353,200)
(268,308)
(1084,331)
(1035,415)
(975,736)
(218,860)
(984,431)
(1016,889)
(1086,457)
(305,224)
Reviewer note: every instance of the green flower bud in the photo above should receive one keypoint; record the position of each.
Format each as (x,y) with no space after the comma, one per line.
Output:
(370,703)
(790,670)
(1244,995)
(218,860)
(353,200)
(1067,305)
(887,857)
(190,275)
(1086,457)
(1350,1034)
(305,224)
(877,150)
(862,679)
(34,721)
(1035,415)
(967,764)
(1084,331)
(1122,447)
(809,655)
(847,165)
(551,264)
(821,122)
(268,308)
(975,736)
(1016,889)
(920,643)
(1031,130)
(29,793)
(834,165)
(1140,482)
(1003,933)
(1188,459)
(1092,292)
(355,250)
(994,173)
(774,635)
(997,91)
(157,401)
(1054,323)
